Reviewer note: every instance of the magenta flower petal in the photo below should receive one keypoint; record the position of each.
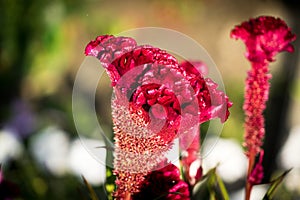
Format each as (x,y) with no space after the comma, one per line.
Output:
(107,48)
(164,183)
(264,37)
(212,103)
(257,173)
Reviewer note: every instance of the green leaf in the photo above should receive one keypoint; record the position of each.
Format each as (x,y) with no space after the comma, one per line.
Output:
(211,187)
(222,187)
(274,184)
(91,190)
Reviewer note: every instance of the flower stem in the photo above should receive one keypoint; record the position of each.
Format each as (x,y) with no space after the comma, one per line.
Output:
(250,168)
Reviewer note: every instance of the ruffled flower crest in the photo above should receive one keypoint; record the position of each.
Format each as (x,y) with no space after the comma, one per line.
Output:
(151,87)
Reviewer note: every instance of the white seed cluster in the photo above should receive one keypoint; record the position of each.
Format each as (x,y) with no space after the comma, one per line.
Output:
(138,150)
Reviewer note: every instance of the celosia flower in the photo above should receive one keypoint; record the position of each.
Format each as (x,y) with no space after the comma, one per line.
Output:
(164,184)
(264,37)
(155,101)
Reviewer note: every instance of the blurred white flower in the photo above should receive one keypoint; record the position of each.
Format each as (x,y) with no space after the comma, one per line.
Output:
(257,193)
(289,154)
(227,155)
(10,146)
(50,148)
(289,158)
(83,162)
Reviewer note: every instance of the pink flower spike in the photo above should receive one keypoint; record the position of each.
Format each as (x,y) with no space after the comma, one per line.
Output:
(257,173)
(264,37)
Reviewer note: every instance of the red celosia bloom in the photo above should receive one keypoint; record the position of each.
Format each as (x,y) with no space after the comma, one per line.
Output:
(164,184)
(264,37)
(155,100)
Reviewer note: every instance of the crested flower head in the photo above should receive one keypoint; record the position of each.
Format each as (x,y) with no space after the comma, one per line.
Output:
(264,37)
(155,100)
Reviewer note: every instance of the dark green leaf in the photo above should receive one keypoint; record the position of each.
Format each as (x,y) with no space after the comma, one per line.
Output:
(211,187)
(274,184)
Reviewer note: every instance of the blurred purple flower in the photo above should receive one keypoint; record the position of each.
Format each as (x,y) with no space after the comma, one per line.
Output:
(22,121)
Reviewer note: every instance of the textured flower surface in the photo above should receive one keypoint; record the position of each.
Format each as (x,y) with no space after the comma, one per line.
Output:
(264,37)
(164,184)
(155,100)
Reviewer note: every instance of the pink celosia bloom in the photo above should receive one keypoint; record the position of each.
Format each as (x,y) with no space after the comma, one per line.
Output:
(164,184)
(155,100)
(264,37)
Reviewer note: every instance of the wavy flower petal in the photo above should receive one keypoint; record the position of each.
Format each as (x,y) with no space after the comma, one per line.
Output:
(264,37)
(164,183)
(156,88)
(212,103)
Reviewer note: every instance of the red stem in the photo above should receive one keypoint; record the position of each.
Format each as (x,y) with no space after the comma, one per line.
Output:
(250,168)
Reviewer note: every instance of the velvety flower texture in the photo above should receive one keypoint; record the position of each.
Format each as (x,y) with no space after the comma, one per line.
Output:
(151,92)
(212,104)
(164,184)
(264,37)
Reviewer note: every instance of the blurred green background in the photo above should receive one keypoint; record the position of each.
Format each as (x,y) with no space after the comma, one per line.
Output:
(42,47)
